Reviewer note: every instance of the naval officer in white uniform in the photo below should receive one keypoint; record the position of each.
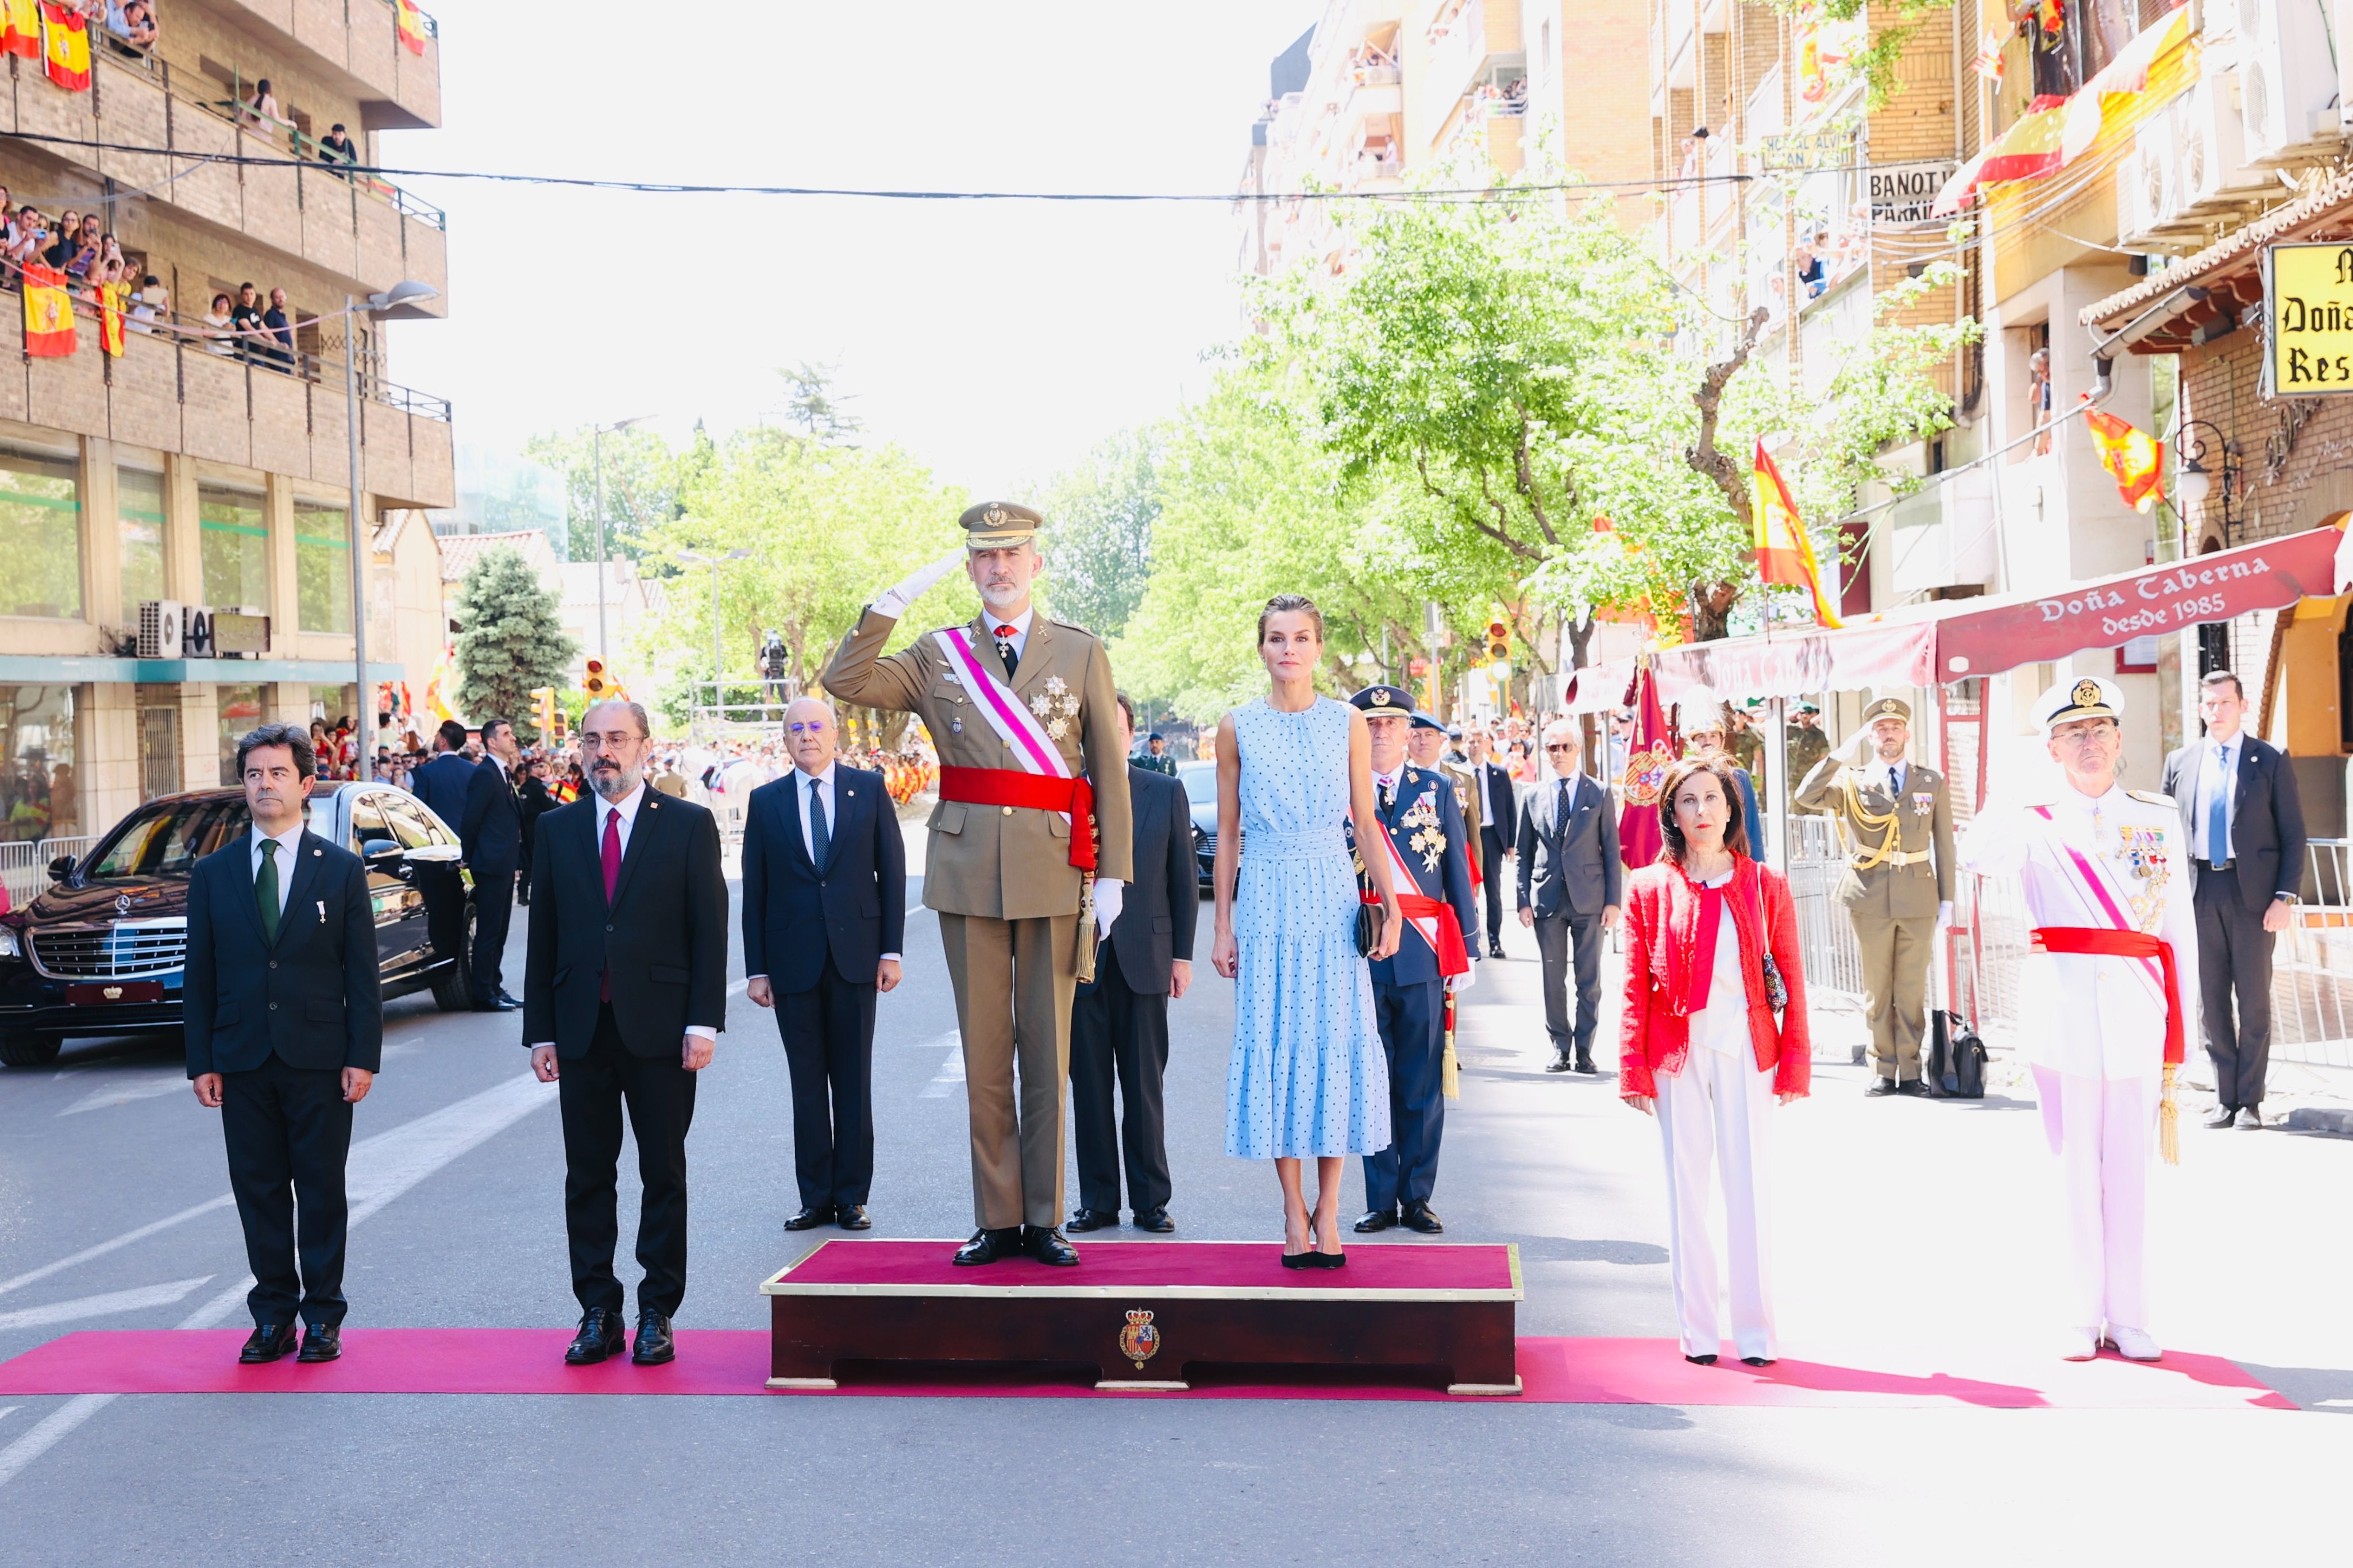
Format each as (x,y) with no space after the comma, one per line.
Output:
(2110,988)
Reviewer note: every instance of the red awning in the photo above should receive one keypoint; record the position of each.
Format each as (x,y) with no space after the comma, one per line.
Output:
(1792,663)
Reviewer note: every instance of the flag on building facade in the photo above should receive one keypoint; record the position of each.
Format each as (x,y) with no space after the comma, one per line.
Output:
(1648,754)
(48,313)
(411,24)
(66,46)
(1784,553)
(2136,457)
(20,34)
(111,298)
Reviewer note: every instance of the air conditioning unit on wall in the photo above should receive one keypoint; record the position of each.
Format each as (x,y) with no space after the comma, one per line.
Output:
(2287,81)
(159,628)
(2148,183)
(2211,174)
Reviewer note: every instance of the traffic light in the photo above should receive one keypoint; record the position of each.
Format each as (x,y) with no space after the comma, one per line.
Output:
(595,683)
(542,711)
(1499,641)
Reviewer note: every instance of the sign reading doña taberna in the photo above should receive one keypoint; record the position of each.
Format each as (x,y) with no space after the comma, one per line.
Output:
(2310,288)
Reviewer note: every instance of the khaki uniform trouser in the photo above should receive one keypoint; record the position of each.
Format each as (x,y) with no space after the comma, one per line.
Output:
(1014,981)
(1895,989)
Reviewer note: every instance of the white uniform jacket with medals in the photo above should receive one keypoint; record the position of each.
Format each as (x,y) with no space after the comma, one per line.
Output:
(2119,864)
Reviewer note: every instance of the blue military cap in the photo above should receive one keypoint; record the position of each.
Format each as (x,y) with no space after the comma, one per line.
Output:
(1422,721)
(1383,702)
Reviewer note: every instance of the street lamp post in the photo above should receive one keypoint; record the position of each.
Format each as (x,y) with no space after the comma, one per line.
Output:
(718,659)
(601,431)
(380,306)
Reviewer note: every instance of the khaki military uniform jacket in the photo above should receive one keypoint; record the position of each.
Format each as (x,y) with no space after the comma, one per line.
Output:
(1003,862)
(1466,796)
(1924,821)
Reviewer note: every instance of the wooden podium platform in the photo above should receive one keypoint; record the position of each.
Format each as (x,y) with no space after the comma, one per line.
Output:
(1151,1314)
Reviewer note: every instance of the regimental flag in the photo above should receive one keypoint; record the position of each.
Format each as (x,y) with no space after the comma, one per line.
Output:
(48,313)
(66,46)
(1649,755)
(111,298)
(1784,553)
(2136,457)
(21,32)
(411,25)
(1988,63)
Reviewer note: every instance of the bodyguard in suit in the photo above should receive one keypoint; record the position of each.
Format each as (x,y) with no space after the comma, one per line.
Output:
(1897,818)
(625,991)
(443,783)
(1498,813)
(1568,886)
(2238,800)
(1119,1021)
(492,834)
(825,914)
(284,1033)
(1424,821)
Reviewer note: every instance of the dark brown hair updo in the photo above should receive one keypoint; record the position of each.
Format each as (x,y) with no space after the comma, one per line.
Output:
(1284,604)
(1735,831)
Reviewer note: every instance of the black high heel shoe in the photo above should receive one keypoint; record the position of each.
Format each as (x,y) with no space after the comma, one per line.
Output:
(1319,1259)
(1300,1259)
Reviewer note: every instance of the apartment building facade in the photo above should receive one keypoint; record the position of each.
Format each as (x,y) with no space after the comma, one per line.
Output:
(203,472)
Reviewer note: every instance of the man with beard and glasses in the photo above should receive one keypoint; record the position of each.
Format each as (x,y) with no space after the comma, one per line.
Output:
(625,991)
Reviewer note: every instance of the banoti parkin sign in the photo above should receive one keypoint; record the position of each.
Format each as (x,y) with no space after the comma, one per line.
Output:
(2311,291)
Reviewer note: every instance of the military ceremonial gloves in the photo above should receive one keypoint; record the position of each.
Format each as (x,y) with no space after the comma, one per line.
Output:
(895,601)
(1464,981)
(1944,913)
(1108,894)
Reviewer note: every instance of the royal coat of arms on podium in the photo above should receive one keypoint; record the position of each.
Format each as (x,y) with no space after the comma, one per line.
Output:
(1139,1342)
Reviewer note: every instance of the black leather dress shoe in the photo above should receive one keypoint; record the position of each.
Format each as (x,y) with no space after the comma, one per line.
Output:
(267,1343)
(1045,1243)
(508,997)
(1912,1086)
(1086,1219)
(655,1344)
(1562,1060)
(1585,1065)
(600,1337)
(323,1344)
(495,1005)
(851,1217)
(1155,1220)
(1880,1087)
(989,1247)
(1378,1219)
(1495,950)
(1418,1216)
(811,1217)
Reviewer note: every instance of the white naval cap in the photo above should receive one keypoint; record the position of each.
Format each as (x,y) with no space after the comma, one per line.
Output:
(2086,696)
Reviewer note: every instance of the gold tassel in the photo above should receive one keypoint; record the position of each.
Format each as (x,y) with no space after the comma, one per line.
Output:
(1449,1074)
(2168,1123)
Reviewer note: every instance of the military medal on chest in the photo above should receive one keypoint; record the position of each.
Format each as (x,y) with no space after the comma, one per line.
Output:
(1428,837)
(1056,706)
(2143,851)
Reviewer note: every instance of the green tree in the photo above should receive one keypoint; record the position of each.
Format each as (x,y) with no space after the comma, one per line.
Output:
(643,483)
(1099,519)
(821,411)
(510,639)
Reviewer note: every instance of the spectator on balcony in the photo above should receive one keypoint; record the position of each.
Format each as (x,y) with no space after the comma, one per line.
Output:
(252,335)
(150,304)
(261,109)
(279,323)
(337,147)
(136,23)
(220,328)
(1809,268)
(62,240)
(110,266)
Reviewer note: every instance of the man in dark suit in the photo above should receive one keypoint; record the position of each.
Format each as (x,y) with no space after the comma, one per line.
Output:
(625,991)
(825,914)
(284,1033)
(1424,821)
(443,783)
(2246,826)
(1119,1021)
(492,834)
(1496,815)
(1568,843)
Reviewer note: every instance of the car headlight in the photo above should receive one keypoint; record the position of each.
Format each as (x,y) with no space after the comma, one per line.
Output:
(11,944)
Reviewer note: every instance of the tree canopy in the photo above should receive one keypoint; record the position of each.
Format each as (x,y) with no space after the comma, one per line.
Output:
(511,640)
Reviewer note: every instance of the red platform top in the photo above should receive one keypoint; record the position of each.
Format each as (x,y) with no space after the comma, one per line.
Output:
(1232,1269)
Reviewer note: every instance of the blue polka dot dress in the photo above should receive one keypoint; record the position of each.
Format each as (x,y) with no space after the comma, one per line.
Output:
(1308,1076)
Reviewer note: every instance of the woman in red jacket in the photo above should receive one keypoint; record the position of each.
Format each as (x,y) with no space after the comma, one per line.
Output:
(1711,959)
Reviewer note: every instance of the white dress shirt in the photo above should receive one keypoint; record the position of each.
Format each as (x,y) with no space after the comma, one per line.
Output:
(289,843)
(626,808)
(1020,625)
(801,780)
(2218,769)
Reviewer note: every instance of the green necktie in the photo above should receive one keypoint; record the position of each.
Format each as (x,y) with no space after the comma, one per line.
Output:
(265,888)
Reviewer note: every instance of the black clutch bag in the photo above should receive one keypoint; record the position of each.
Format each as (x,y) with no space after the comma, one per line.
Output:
(1369,929)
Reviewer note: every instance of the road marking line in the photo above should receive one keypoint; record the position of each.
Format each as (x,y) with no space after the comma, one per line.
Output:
(951,1074)
(154,1086)
(125,1239)
(737,989)
(98,1306)
(8,1410)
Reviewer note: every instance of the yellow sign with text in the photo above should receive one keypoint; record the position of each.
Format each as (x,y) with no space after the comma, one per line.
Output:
(2311,291)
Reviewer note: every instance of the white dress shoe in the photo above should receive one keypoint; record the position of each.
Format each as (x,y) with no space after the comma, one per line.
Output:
(2079,1344)
(2133,1344)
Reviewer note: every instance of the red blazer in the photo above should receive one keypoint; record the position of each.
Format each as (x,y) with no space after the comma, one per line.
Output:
(1661,929)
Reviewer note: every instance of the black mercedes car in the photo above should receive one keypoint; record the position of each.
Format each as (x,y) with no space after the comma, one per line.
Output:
(101,951)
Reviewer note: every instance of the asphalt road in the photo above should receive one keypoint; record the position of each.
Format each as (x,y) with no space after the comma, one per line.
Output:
(1902,1223)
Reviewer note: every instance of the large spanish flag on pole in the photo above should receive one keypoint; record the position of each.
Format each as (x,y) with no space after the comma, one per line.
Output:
(20,34)
(1784,553)
(2136,457)
(67,46)
(48,313)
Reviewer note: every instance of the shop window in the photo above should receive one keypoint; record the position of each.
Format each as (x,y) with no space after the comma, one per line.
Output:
(240,711)
(323,567)
(233,537)
(38,791)
(139,513)
(41,535)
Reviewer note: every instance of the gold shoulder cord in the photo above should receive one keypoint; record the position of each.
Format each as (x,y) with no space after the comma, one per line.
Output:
(1865,822)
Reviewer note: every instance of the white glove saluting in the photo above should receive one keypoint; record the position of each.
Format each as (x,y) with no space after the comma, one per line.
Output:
(1108,896)
(895,601)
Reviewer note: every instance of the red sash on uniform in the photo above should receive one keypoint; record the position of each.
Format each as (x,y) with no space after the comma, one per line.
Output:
(1039,792)
(2108,942)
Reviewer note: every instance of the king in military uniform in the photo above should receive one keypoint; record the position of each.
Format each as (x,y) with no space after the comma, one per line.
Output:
(2108,994)
(1898,886)
(1033,830)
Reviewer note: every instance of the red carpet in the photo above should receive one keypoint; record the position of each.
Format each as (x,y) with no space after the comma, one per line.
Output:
(735,1362)
(1122,1267)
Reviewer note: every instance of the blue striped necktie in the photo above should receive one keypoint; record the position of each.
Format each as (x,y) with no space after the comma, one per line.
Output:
(2218,810)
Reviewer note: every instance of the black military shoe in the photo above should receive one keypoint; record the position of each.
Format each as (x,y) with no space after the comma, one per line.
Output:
(1880,1087)
(1378,1219)
(851,1217)
(811,1217)
(599,1337)
(267,1343)
(989,1247)
(1155,1220)
(1563,1059)
(1585,1065)
(1418,1216)
(1045,1243)
(325,1343)
(1495,950)
(1912,1086)
(1086,1219)
(655,1342)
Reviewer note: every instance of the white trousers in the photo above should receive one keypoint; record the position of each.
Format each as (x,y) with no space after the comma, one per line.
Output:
(2103,1132)
(1719,1110)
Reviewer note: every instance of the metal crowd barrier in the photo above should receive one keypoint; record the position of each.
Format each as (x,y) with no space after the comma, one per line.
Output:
(25,864)
(1825,935)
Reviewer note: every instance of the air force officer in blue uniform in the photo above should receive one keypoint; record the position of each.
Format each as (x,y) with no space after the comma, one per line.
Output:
(1425,822)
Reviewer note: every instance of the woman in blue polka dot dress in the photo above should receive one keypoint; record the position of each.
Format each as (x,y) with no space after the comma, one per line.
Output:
(1308,1079)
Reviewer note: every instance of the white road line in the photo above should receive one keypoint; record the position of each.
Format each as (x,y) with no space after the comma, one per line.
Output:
(737,989)
(380,1169)
(125,1239)
(146,1086)
(8,1410)
(950,1077)
(99,1306)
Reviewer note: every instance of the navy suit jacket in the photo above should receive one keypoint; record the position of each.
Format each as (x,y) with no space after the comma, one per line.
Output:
(492,829)
(313,997)
(1568,867)
(853,907)
(441,785)
(1422,793)
(2267,838)
(1159,910)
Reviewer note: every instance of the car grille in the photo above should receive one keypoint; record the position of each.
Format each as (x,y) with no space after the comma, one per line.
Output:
(110,952)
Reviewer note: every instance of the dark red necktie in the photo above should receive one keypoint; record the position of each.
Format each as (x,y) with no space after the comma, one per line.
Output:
(612,860)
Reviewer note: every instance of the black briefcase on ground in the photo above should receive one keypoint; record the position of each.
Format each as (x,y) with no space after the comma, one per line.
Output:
(1957,1058)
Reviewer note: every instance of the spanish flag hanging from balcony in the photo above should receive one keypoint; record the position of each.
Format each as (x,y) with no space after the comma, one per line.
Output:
(66,46)
(48,313)
(111,298)
(411,24)
(2136,457)
(1784,553)
(21,33)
